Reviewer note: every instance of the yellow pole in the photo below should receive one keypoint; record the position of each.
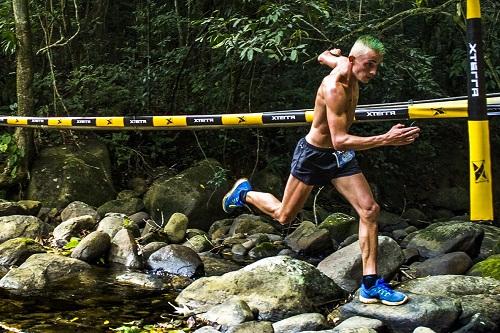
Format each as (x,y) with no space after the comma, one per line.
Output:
(481,189)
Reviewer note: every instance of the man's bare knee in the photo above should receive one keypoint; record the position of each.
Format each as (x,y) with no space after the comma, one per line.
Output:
(369,212)
(285,217)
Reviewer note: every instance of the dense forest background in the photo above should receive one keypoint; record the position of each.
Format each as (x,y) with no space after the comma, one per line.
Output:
(105,58)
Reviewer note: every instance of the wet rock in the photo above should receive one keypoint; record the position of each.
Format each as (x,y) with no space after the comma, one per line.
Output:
(176,227)
(389,221)
(206,329)
(239,250)
(191,232)
(478,324)
(416,217)
(340,226)
(124,250)
(411,255)
(92,247)
(302,322)
(450,263)
(436,312)
(263,250)
(199,243)
(24,226)
(67,173)
(111,224)
(23,207)
(476,294)
(76,209)
(422,329)
(138,185)
(252,327)
(491,241)
(285,287)
(490,267)
(150,248)
(142,280)
(127,206)
(72,227)
(139,218)
(441,238)
(43,270)
(192,192)
(176,259)
(219,228)
(310,239)
(360,322)
(345,265)
(250,224)
(229,313)
(215,265)
(15,251)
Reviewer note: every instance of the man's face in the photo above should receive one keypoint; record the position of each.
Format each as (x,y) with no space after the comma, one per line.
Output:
(365,65)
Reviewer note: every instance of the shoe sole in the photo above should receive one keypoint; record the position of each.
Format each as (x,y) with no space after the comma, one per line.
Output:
(238,182)
(376,300)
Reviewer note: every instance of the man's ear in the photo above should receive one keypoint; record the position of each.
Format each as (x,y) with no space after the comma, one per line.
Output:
(351,59)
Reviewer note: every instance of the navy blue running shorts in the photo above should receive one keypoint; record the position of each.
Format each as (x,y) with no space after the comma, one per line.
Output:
(318,166)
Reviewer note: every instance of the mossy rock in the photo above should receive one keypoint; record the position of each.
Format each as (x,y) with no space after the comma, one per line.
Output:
(487,268)
(340,226)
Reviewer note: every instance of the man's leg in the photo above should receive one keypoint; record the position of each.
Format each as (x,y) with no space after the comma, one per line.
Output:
(356,190)
(296,193)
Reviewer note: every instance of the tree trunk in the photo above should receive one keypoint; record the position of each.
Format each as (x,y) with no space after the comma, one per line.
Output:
(24,85)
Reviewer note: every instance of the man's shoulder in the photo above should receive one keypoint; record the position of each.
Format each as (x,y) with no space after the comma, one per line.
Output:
(332,84)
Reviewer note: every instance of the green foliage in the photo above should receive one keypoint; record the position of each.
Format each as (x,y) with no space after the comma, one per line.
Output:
(73,242)
(7,29)
(10,152)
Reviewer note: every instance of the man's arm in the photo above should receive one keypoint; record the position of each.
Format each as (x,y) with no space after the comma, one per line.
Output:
(336,106)
(331,58)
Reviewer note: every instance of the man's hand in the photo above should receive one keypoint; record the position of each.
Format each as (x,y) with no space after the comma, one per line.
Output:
(400,135)
(332,58)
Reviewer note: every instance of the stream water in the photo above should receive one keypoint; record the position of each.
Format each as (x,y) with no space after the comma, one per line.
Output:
(96,305)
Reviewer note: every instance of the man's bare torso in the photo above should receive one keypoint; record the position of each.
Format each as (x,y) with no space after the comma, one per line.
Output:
(319,134)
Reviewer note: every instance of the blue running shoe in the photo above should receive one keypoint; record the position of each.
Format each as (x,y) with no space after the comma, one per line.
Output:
(381,292)
(234,198)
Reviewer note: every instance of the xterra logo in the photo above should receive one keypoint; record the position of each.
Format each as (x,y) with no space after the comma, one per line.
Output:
(380,113)
(474,82)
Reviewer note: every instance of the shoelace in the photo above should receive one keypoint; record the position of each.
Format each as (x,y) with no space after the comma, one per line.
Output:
(385,287)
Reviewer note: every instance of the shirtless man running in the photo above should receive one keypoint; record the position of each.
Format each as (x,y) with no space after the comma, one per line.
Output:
(326,156)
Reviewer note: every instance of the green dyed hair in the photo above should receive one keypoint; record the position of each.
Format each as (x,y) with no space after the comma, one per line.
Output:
(371,42)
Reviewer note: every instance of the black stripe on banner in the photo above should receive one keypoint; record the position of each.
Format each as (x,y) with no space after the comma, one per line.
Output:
(381,114)
(203,121)
(280,117)
(138,121)
(38,121)
(475,71)
(83,122)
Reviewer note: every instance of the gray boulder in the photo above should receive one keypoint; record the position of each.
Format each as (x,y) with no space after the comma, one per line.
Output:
(111,224)
(450,263)
(250,224)
(176,259)
(219,228)
(308,238)
(193,192)
(199,243)
(23,207)
(124,250)
(359,322)
(66,173)
(76,209)
(475,294)
(451,198)
(44,270)
(340,226)
(446,237)
(127,206)
(15,251)
(24,226)
(176,227)
(345,265)
(72,227)
(215,266)
(436,312)
(150,248)
(229,313)
(490,267)
(92,247)
(278,287)
(252,327)
(301,322)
